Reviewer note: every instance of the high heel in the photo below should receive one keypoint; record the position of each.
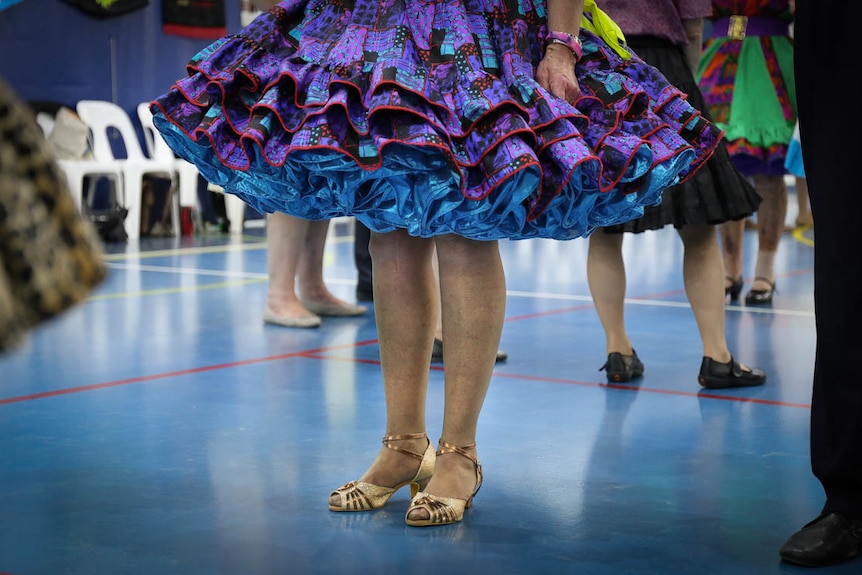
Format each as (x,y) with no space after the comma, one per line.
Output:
(445,510)
(760,296)
(734,289)
(362,496)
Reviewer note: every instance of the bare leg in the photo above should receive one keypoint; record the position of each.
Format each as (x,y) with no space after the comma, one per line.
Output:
(770,218)
(295,249)
(731,234)
(405,307)
(473,289)
(286,239)
(310,269)
(702,273)
(606,274)
(803,216)
(438,330)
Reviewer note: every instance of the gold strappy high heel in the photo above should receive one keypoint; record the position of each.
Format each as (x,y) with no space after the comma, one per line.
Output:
(445,510)
(362,496)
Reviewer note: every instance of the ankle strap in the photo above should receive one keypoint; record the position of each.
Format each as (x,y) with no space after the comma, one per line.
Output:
(389,438)
(446,447)
(767,281)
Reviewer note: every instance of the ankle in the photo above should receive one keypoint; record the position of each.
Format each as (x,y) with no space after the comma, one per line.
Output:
(718,356)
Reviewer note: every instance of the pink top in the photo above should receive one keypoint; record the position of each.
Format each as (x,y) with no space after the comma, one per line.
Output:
(661,18)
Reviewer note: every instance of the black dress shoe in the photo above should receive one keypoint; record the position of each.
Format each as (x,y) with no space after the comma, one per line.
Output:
(760,296)
(437,353)
(714,375)
(622,368)
(734,289)
(830,539)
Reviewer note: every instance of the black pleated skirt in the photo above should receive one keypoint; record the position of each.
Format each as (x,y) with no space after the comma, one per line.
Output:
(717,192)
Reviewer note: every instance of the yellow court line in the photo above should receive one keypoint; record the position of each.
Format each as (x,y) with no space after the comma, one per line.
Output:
(166,291)
(799,236)
(186,251)
(257,244)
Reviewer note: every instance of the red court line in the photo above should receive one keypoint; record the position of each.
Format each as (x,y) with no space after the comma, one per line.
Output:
(318,354)
(312,353)
(315,354)
(701,393)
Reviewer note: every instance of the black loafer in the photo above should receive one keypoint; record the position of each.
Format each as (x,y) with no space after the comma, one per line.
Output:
(437,353)
(759,296)
(714,375)
(622,368)
(830,539)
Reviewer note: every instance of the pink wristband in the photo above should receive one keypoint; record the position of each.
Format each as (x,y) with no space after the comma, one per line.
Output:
(570,41)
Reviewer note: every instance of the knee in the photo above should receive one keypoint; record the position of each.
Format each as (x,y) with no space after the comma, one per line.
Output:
(398,246)
(456,251)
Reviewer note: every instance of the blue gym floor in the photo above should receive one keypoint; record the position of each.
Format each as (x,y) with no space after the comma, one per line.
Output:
(162,428)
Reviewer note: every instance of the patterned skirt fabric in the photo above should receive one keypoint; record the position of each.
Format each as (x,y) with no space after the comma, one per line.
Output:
(426,116)
(717,192)
(749,89)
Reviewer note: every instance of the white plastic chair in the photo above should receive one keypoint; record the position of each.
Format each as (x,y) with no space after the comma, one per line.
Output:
(46,123)
(186,173)
(103,118)
(79,171)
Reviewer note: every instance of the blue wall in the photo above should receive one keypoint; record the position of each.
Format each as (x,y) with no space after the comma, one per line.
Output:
(50,51)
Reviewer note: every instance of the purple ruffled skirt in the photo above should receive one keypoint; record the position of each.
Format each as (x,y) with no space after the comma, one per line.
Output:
(426,116)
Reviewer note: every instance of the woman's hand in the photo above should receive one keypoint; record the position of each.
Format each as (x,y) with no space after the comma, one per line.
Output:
(556,73)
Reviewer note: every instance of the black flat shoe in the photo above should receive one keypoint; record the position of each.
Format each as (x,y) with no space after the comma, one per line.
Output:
(830,539)
(759,296)
(622,368)
(437,353)
(714,375)
(734,289)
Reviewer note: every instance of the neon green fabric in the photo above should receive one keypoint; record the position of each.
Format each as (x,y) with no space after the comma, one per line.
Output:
(605,28)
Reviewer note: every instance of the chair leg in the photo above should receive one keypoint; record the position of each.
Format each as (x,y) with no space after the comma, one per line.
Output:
(176,209)
(132,200)
(76,189)
(235,209)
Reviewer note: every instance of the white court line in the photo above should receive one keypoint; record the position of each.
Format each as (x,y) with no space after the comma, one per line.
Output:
(509,293)
(658,303)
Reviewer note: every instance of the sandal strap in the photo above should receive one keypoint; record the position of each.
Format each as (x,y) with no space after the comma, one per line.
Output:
(446,447)
(767,281)
(389,438)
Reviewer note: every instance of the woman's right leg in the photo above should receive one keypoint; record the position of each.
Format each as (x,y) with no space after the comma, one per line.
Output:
(405,306)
